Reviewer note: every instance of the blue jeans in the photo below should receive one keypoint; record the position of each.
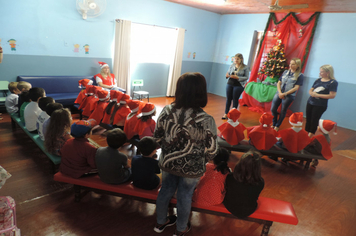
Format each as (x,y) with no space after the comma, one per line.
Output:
(284,107)
(185,186)
(232,93)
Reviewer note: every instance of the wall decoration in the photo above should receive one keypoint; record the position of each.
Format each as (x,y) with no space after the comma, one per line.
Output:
(189,54)
(86,48)
(194,53)
(232,59)
(76,48)
(12,43)
(227,58)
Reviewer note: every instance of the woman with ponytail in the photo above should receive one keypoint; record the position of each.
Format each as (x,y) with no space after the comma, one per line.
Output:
(211,187)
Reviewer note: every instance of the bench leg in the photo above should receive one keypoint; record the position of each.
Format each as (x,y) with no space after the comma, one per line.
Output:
(307,165)
(265,229)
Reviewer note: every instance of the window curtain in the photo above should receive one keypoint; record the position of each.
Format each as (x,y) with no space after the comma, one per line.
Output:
(296,32)
(121,68)
(176,68)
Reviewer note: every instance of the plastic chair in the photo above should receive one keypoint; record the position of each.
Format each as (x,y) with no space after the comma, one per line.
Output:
(4,89)
(139,93)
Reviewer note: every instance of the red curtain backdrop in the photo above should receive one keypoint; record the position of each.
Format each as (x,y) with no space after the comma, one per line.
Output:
(296,32)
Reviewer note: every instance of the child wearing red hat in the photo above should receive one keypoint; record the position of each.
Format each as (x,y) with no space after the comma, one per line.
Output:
(83,83)
(131,119)
(90,102)
(263,136)
(101,105)
(145,125)
(320,144)
(295,139)
(120,112)
(232,131)
(78,155)
(114,97)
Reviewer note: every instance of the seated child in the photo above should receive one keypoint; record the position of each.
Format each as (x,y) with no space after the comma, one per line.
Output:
(111,163)
(42,103)
(131,119)
(320,144)
(145,167)
(232,131)
(294,139)
(114,97)
(25,98)
(58,130)
(11,101)
(101,105)
(263,136)
(120,112)
(32,110)
(78,155)
(50,108)
(23,86)
(82,84)
(89,103)
(244,185)
(145,125)
(211,187)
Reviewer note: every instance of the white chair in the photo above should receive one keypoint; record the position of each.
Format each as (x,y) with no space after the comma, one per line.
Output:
(140,94)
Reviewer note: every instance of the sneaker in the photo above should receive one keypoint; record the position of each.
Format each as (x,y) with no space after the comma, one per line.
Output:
(177,233)
(171,221)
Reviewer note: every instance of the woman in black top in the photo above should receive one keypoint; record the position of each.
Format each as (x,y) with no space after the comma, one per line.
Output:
(237,75)
(244,185)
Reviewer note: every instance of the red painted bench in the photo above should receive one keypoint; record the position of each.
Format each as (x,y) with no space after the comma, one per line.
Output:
(268,211)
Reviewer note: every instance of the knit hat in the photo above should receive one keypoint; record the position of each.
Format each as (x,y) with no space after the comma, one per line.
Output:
(82,127)
(103,64)
(266,119)
(102,95)
(296,119)
(124,98)
(327,125)
(84,82)
(148,109)
(134,105)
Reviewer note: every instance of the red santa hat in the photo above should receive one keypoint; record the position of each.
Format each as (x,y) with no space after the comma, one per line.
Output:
(266,119)
(134,105)
(148,109)
(232,116)
(90,90)
(103,64)
(124,98)
(103,95)
(84,82)
(296,119)
(327,125)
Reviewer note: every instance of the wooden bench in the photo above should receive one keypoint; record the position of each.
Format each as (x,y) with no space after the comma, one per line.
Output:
(15,120)
(274,152)
(268,211)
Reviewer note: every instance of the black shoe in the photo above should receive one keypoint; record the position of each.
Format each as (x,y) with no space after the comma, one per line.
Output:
(224,117)
(177,233)
(171,221)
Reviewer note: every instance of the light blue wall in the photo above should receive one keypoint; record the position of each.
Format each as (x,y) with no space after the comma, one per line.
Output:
(333,44)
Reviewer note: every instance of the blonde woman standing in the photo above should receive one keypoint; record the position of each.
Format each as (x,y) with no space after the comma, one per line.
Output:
(238,75)
(287,88)
(323,89)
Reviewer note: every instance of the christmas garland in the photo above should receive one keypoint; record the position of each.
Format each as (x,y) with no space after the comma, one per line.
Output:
(273,17)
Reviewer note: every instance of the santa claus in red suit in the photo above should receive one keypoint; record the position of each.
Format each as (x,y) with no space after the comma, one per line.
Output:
(232,130)
(296,138)
(263,136)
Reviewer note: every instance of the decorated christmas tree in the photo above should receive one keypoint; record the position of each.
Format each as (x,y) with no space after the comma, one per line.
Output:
(275,62)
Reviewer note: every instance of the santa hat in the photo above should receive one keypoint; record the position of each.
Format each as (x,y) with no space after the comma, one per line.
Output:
(134,105)
(233,114)
(114,94)
(266,119)
(148,109)
(103,64)
(296,119)
(327,125)
(90,90)
(124,98)
(84,82)
(103,95)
